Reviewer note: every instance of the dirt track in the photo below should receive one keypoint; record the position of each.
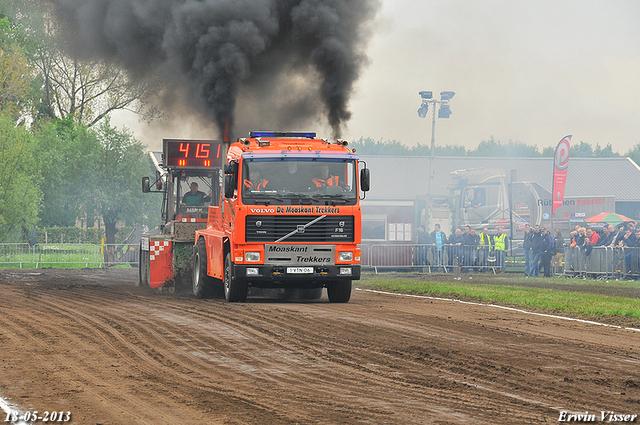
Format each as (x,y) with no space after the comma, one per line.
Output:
(91,343)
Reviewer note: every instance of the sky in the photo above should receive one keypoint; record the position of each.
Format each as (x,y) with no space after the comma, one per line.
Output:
(526,71)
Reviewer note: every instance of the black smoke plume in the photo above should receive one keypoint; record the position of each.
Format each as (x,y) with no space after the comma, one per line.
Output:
(287,61)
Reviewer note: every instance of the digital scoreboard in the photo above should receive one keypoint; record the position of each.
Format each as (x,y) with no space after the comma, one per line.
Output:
(197,154)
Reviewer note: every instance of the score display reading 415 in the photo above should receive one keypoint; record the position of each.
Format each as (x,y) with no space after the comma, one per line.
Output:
(192,153)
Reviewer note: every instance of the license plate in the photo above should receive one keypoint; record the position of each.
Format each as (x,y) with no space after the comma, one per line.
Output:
(299,270)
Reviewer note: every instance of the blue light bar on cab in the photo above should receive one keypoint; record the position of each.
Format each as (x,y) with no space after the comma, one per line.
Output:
(305,134)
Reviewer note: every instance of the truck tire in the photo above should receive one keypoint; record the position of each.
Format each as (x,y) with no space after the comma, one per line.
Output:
(339,291)
(234,290)
(202,283)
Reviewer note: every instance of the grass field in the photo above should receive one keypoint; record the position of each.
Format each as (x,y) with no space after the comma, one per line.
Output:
(583,298)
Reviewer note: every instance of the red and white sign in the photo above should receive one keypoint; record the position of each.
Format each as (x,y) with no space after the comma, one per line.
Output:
(560,166)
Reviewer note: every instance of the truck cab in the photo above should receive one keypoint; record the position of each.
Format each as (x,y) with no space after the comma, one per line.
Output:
(290,218)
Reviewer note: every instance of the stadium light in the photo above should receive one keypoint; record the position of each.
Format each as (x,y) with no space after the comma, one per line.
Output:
(443,112)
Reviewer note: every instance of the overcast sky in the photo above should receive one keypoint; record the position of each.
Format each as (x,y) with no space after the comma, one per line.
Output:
(522,70)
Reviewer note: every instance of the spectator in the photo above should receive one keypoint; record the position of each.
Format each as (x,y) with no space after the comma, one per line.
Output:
(547,251)
(526,245)
(590,241)
(455,248)
(632,258)
(624,232)
(469,247)
(558,242)
(422,240)
(607,236)
(438,240)
(485,244)
(501,243)
(537,249)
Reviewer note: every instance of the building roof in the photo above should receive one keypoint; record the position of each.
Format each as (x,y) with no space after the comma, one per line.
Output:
(405,177)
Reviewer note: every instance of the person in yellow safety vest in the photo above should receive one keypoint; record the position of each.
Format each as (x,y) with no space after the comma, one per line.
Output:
(484,247)
(325,179)
(257,183)
(500,241)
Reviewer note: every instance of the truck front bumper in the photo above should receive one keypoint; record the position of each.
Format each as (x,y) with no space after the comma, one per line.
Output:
(268,275)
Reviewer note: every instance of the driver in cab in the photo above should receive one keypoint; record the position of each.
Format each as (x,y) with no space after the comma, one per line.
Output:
(325,179)
(256,182)
(195,197)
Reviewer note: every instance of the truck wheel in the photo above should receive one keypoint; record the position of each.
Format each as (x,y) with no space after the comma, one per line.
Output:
(202,283)
(234,290)
(339,291)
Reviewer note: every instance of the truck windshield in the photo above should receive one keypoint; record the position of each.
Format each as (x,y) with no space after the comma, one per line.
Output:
(299,181)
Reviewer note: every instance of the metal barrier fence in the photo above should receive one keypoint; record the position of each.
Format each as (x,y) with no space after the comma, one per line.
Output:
(602,262)
(447,258)
(598,262)
(71,254)
(15,253)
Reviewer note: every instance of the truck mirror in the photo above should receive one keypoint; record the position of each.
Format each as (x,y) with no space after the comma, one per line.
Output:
(231,168)
(364,179)
(229,185)
(145,185)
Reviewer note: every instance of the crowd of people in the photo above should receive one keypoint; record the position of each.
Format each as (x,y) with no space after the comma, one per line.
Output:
(622,243)
(466,251)
(470,251)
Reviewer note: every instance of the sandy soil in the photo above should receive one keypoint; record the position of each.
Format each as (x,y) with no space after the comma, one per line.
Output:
(90,342)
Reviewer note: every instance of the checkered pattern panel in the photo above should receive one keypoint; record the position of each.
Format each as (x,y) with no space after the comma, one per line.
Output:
(155,247)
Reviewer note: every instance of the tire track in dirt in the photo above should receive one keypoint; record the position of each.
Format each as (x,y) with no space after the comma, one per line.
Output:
(96,333)
(374,360)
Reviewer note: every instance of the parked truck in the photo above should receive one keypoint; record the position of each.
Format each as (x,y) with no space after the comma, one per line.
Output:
(487,198)
(286,215)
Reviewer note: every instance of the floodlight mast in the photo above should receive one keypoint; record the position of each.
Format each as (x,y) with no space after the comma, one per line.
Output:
(443,112)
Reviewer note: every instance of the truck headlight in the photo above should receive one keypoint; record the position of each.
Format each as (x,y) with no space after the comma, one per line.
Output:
(345,256)
(252,256)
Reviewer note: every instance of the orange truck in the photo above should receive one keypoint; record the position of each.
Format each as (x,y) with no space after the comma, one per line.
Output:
(287,216)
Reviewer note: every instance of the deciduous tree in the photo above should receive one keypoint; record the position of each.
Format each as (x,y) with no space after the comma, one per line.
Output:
(20,196)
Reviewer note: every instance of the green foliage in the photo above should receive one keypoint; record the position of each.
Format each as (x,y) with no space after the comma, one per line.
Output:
(17,76)
(532,298)
(71,234)
(92,174)
(20,195)
(64,157)
(118,165)
(486,148)
(634,154)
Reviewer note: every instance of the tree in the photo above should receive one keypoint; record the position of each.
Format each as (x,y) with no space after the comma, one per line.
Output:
(64,155)
(369,146)
(20,196)
(118,165)
(16,74)
(84,91)
(93,175)
(634,154)
(606,152)
(581,150)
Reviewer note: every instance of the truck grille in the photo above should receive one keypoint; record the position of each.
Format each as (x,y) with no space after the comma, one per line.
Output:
(335,229)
